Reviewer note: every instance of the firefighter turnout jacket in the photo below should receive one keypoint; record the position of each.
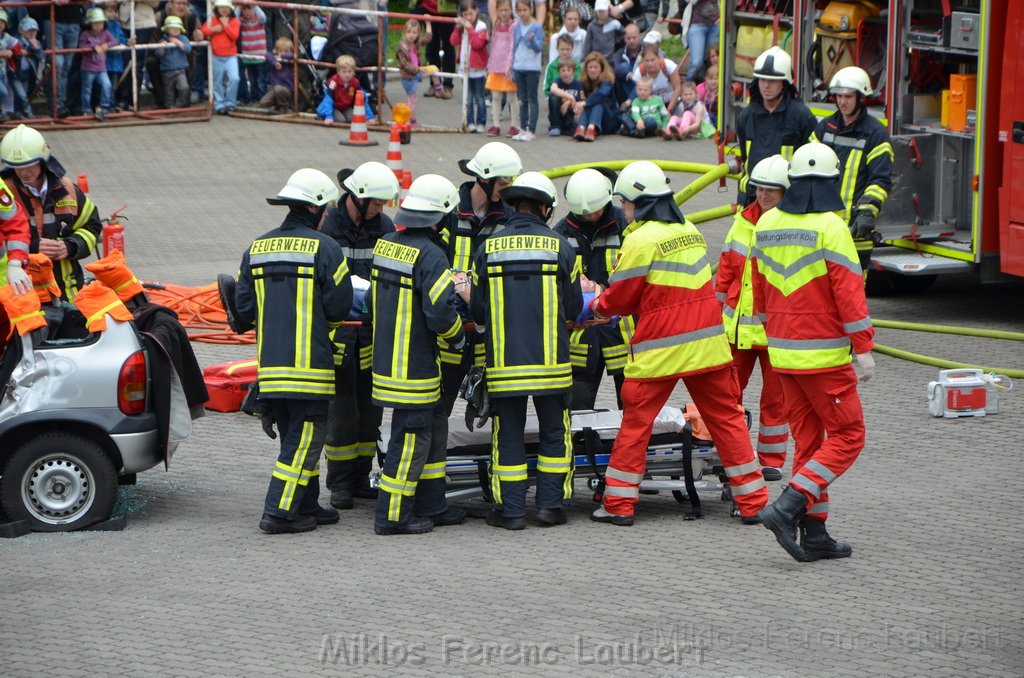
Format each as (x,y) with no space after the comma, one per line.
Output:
(462,237)
(663,276)
(763,133)
(809,287)
(294,283)
(526,286)
(14,231)
(597,248)
(734,285)
(865,156)
(410,287)
(357,242)
(61,211)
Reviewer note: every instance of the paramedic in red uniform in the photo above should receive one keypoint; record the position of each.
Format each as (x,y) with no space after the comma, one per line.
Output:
(742,326)
(663,276)
(809,290)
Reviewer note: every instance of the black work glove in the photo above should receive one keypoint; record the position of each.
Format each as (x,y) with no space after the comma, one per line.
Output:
(863,226)
(253,406)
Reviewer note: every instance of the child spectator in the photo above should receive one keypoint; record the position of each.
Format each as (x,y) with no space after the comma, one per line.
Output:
(94,63)
(604,33)
(281,89)
(499,66)
(662,71)
(174,63)
(408,54)
(564,47)
(222,30)
(252,42)
(30,61)
(470,36)
(115,59)
(597,114)
(571,28)
(565,93)
(8,49)
(341,88)
(689,116)
(648,111)
(707,92)
(528,44)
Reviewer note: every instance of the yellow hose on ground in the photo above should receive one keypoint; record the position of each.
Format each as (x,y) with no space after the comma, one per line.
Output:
(945,329)
(944,364)
(948,329)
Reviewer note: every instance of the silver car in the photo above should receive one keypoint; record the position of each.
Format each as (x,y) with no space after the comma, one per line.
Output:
(75,422)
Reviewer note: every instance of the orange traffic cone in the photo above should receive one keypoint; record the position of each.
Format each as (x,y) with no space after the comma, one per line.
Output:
(357,134)
(395,151)
(405,183)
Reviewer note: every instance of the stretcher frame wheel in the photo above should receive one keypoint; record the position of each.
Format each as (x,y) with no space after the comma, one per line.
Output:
(593,483)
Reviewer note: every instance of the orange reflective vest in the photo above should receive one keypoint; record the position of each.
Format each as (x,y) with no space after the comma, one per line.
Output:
(40,269)
(95,301)
(113,272)
(663,276)
(23,311)
(809,290)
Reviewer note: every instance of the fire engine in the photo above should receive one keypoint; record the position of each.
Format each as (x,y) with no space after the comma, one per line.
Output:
(948,78)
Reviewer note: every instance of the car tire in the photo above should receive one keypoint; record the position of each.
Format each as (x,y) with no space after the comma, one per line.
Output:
(58,482)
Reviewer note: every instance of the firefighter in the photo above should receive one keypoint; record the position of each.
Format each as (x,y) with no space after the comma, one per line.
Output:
(526,284)
(353,426)
(479,214)
(664,278)
(594,228)
(293,283)
(742,326)
(865,154)
(807,285)
(64,224)
(410,291)
(775,121)
(14,260)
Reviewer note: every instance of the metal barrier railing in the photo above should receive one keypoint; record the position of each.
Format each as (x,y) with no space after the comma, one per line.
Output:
(136,58)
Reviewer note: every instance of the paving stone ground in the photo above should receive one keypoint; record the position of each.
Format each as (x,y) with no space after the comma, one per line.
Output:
(192,588)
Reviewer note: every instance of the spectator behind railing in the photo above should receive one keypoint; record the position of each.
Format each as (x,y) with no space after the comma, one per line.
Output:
(66,28)
(193,31)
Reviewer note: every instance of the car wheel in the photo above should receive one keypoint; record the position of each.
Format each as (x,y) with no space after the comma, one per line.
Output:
(59,482)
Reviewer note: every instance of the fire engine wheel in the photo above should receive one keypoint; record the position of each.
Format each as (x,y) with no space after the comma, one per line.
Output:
(58,482)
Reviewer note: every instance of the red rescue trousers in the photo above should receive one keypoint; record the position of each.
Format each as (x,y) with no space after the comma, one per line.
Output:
(716,395)
(772,429)
(828,429)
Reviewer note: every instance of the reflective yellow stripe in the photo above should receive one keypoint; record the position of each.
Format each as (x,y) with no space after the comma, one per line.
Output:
(100,313)
(433,471)
(497,336)
(85,213)
(341,452)
(849,182)
(463,251)
(340,272)
(439,287)
(293,474)
(884,148)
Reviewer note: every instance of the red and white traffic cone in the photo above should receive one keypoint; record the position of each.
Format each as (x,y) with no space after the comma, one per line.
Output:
(395,152)
(357,133)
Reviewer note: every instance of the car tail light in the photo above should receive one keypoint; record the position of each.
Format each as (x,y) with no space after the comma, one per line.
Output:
(131,384)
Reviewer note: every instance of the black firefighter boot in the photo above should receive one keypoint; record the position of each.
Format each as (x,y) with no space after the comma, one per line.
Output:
(782,518)
(818,543)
